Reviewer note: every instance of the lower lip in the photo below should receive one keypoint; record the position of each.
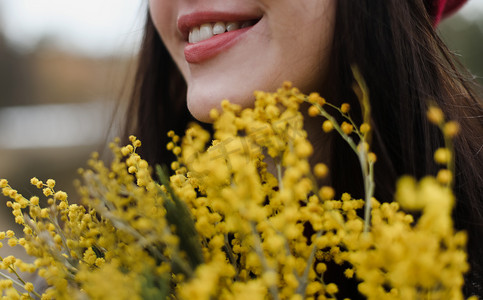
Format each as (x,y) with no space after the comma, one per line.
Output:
(204,50)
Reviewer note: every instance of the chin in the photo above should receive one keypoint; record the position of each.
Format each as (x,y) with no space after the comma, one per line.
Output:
(200,112)
(201,102)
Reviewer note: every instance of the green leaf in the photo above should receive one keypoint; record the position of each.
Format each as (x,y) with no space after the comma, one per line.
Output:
(155,287)
(177,214)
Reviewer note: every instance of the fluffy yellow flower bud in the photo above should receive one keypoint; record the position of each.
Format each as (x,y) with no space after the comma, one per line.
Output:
(435,115)
(9,260)
(327,126)
(349,273)
(143,164)
(29,287)
(51,183)
(326,193)
(99,261)
(12,193)
(58,239)
(365,128)
(126,150)
(60,196)
(313,287)
(44,213)
(321,170)
(303,149)
(174,165)
(451,129)
(3,183)
(320,268)
(313,111)
(141,182)
(47,192)
(34,200)
(406,193)
(214,114)
(345,107)
(444,176)
(287,85)
(346,128)
(372,157)
(177,150)
(315,98)
(137,143)
(331,288)
(90,256)
(270,278)
(170,146)
(442,156)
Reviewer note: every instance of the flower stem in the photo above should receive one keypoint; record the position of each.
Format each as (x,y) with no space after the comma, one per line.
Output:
(258,249)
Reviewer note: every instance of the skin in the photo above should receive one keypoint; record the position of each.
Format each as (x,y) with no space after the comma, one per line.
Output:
(292,41)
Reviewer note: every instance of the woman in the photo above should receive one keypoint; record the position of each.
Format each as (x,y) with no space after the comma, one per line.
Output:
(313,43)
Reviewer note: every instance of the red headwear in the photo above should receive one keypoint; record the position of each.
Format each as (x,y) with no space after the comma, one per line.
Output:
(439,9)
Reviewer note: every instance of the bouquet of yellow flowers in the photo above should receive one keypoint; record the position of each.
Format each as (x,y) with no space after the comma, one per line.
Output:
(224,227)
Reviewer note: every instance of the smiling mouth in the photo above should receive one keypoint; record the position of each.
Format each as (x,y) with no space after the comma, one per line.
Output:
(207,34)
(208,30)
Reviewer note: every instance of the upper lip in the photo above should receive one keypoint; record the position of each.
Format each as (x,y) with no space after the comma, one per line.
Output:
(188,21)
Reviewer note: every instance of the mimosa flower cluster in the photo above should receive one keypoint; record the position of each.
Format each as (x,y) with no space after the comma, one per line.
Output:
(225,227)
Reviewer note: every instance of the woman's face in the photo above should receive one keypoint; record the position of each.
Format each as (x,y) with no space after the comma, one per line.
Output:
(226,49)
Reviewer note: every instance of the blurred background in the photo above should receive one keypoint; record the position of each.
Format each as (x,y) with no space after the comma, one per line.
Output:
(64,68)
(64,65)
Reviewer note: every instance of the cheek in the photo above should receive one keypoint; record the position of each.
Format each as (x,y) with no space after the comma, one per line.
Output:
(305,41)
(163,14)
(159,11)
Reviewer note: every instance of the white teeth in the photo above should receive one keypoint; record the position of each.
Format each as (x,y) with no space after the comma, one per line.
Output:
(194,35)
(232,26)
(207,30)
(219,28)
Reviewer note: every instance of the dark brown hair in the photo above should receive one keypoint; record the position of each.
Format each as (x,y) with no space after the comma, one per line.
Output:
(404,63)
